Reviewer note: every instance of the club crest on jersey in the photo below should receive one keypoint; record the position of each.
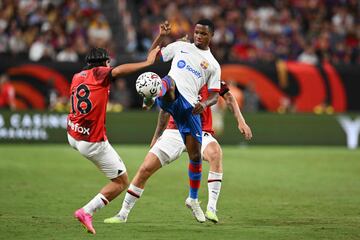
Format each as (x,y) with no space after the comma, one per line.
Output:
(83,73)
(204,65)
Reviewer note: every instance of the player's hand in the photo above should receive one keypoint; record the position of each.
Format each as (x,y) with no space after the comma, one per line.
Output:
(199,108)
(245,130)
(165,29)
(152,55)
(184,39)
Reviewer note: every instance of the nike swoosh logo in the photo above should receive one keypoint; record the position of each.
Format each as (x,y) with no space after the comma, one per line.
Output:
(183,51)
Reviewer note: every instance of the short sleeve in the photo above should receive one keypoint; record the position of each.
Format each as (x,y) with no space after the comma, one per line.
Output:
(102,75)
(214,81)
(168,53)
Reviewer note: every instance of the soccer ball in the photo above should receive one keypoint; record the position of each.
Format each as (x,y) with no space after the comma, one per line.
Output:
(148,85)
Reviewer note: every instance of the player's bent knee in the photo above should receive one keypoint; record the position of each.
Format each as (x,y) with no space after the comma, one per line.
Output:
(145,171)
(216,155)
(122,180)
(195,156)
(213,154)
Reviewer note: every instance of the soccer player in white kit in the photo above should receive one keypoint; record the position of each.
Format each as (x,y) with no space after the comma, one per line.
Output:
(193,66)
(167,146)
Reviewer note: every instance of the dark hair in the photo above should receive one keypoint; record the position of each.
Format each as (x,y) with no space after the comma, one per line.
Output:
(96,57)
(207,22)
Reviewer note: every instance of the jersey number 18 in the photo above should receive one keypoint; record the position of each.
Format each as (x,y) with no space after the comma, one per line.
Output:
(83,103)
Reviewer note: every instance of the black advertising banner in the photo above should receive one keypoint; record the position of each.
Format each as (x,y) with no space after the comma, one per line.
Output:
(304,86)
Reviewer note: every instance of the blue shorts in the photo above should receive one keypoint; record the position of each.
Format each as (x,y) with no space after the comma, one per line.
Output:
(181,110)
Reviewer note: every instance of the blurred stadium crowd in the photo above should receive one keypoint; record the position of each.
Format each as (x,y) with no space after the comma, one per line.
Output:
(59,30)
(246,30)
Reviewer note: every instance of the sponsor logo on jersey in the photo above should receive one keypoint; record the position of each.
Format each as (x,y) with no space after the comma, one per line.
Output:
(194,71)
(183,51)
(204,65)
(76,128)
(181,64)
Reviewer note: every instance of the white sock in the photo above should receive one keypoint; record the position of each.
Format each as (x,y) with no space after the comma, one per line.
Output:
(132,195)
(214,186)
(98,202)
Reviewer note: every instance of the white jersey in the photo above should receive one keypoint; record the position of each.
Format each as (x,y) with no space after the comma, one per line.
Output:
(191,69)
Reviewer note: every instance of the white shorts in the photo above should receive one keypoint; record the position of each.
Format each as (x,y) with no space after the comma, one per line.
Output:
(170,145)
(102,154)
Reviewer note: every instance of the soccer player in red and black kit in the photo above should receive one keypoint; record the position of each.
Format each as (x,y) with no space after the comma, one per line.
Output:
(86,125)
(167,146)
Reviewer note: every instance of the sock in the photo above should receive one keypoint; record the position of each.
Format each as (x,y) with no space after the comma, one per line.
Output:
(195,169)
(132,195)
(165,85)
(214,186)
(98,202)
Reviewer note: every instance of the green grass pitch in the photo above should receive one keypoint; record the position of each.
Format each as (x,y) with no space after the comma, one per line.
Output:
(268,193)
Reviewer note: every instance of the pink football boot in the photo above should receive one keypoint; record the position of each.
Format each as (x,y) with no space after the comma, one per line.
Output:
(85,219)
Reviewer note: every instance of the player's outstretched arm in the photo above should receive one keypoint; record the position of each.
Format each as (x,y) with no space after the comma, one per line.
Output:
(128,68)
(234,108)
(164,30)
(200,106)
(162,122)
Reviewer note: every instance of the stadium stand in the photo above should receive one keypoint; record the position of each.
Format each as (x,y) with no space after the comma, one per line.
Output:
(63,30)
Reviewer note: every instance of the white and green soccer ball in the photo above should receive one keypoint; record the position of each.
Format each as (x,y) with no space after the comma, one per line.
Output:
(148,85)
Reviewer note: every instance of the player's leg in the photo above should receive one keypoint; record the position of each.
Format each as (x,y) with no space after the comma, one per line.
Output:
(193,147)
(190,128)
(167,149)
(167,89)
(150,165)
(109,162)
(213,154)
(111,190)
(106,194)
(167,92)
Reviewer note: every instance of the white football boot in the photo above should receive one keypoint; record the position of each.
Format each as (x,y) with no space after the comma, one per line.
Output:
(194,205)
